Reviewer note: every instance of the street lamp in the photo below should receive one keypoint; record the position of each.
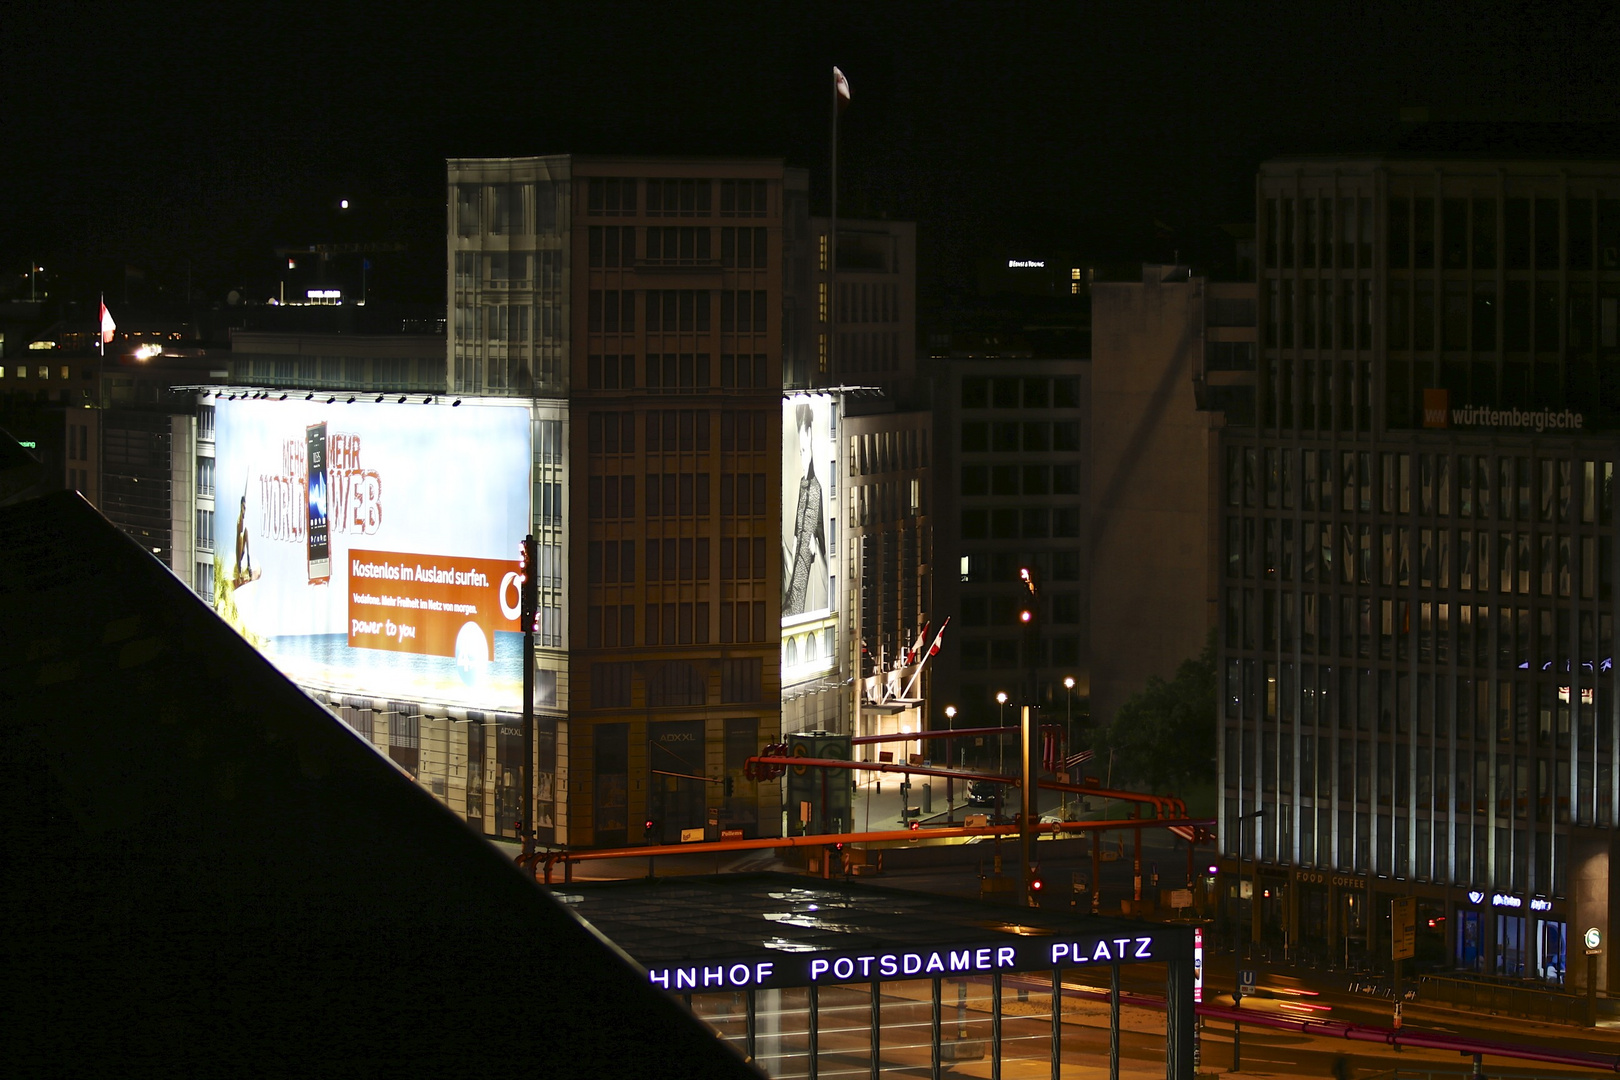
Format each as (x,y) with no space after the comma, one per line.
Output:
(950,785)
(1001,736)
(1068,685)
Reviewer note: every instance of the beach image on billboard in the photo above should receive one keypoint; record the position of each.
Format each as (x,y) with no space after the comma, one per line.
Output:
(373,548)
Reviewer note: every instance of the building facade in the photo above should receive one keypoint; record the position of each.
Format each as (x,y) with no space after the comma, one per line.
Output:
(641,304)
(1171,356)
(1010,487)
(1419,533)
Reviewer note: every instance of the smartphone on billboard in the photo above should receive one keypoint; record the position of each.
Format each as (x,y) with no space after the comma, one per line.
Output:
(318,534)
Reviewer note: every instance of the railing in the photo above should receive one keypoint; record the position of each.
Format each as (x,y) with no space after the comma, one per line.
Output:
(1540,1002)
(1453,1074)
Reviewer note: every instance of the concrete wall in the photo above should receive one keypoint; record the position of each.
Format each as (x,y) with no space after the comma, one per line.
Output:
(1153,548)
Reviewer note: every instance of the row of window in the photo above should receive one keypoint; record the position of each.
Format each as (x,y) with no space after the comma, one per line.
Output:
(616,195)
(1384,555)
(1436,632)
(677,371)
(670,311)
(1030,523)
(1033,436)
(680,623)
(510,209)
(1564,490)
(673,682)
(1002,567)
(888,451)
(978,654)
(41,371)
(1020,480)
(685,559)
(865,302)
(614,246)
(680,430)
(508,269)
(1324,233)
(1376,700)
(986,393)
(1002,611)
(675,494)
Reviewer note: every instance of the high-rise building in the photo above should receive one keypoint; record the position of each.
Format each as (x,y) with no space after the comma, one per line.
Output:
(1419,531)
(640,306)
(1010,492)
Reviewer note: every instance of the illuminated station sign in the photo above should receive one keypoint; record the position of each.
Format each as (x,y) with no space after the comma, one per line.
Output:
(864,965)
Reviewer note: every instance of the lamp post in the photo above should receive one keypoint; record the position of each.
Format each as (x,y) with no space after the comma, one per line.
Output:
(1068,724)
(1001,736)
(950,781)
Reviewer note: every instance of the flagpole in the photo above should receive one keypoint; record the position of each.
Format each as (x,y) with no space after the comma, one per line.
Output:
(101,338)
(832,244)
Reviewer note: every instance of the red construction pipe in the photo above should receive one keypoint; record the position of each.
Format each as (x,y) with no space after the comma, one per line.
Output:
(1166,805)
(551,858)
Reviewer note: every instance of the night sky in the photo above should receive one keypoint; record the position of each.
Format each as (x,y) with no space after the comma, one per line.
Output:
(176,137)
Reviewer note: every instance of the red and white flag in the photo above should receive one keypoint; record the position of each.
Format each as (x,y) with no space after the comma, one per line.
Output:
(107,325)
(840,87)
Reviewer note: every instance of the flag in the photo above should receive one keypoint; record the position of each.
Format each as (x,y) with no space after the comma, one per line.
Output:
(107,324)
(840,87)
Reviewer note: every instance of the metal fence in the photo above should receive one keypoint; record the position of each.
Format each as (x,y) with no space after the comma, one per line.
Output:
(1506,999)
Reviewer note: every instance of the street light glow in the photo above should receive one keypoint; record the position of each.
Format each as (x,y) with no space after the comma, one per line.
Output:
(1068,682)
(1001,697)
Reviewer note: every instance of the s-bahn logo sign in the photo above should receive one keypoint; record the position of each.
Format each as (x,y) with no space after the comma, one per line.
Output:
(864,965)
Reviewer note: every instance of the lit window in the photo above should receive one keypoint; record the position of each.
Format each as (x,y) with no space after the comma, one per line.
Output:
(64,371)
(1074,273)
(824,253)
(1074,287)
(44,371)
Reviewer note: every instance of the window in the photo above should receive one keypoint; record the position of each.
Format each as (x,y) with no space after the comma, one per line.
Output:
(205,530)
(610,372)
(205,475)
(467,202)
(743,198)
(678,245)
(975,437)
(742,249)
(672,311)
(613,246)
(740,680)
(612,195)
(673,371)
(679,198)
(744,311)
(609,312)
(742,371)
(610,685)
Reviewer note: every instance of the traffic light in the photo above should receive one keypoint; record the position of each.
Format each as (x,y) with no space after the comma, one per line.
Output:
(731,786)
(648,828)
(1037,884)
(528,585)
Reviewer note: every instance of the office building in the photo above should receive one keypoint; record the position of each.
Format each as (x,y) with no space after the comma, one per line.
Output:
(639,306)
(1010,493)
(1418,602)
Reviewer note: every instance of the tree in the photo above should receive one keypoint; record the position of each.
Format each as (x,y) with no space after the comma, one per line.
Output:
(1164,736)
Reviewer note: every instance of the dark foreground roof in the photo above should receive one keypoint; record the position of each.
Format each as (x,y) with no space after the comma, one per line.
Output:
(206,874)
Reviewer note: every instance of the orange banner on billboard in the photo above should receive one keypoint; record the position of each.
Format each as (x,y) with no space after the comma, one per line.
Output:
(438,605)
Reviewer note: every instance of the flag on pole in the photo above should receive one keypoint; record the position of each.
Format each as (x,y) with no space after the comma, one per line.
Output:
(107,325)
(840,87)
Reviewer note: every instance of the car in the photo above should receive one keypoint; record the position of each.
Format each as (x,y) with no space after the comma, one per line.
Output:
(983,793)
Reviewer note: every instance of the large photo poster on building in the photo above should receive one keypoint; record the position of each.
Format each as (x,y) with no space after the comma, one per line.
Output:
(374,548)
(809,507)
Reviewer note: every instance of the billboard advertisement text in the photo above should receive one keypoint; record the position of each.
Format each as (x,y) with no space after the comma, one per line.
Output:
(375,548)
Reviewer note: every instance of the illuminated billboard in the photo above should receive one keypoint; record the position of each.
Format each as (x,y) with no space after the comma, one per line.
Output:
(375,547)
(809,503)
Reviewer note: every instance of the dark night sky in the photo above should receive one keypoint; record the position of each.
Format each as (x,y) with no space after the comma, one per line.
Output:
(151,135)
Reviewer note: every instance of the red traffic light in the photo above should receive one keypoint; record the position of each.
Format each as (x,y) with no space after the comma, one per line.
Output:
(1026,615)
